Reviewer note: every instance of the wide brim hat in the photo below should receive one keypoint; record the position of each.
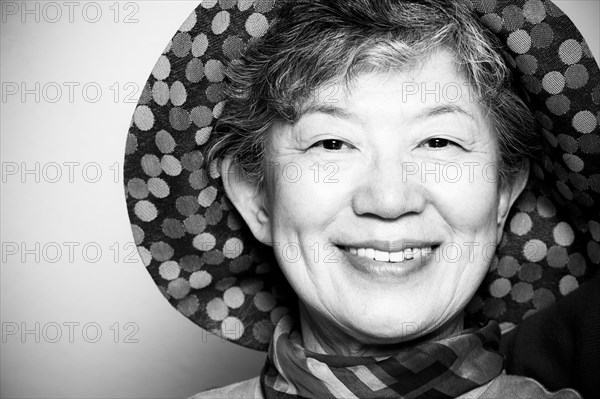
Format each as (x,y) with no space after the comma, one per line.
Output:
(210,268)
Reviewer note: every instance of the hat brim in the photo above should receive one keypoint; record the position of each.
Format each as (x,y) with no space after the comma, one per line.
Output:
(209,266)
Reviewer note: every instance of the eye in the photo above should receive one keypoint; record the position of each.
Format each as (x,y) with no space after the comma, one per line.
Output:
(331,144)
(439,143)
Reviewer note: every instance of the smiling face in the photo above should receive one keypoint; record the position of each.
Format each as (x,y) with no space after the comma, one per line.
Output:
(383,207)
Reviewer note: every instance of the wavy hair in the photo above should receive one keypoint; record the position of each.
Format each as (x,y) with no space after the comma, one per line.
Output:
(314,43)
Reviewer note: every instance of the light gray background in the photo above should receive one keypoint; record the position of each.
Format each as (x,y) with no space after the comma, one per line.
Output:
(172,357)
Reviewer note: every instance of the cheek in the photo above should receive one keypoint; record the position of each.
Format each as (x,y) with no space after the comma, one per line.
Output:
(469,209)
(467,204)
(297,197)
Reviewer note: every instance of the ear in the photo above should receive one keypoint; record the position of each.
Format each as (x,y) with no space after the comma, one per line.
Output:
(245,195)
(508,195)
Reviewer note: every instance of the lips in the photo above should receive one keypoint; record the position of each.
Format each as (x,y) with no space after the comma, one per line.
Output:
(387,256)
(389,265)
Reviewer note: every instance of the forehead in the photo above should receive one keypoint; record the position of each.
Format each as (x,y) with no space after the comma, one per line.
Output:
(435,85)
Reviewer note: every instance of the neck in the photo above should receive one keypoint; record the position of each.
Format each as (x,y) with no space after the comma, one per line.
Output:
(320,335)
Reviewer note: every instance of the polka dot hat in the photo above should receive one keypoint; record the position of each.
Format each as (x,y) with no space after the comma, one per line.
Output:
(208,265)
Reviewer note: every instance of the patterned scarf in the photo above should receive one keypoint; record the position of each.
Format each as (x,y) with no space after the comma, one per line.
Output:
(442,369)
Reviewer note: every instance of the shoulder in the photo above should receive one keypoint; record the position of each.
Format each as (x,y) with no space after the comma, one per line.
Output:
(249,389)
(517,387)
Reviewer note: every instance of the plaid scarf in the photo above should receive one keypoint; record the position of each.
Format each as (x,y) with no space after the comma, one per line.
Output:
(442,369)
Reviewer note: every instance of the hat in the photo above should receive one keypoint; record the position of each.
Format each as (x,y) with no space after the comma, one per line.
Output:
(209,266)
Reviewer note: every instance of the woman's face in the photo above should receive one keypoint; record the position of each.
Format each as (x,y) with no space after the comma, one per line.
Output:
(405,160)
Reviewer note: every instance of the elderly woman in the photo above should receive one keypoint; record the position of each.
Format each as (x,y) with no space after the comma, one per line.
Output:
(377,147)
(409,147)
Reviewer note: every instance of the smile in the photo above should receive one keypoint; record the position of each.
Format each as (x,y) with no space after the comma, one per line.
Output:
(384,256)
(388,266)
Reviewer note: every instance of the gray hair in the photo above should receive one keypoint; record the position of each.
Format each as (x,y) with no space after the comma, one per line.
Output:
(313,43)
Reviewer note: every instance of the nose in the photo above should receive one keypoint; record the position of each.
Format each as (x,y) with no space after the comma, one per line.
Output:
(389,189)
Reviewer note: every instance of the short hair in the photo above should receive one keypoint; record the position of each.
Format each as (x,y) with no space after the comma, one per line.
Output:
(313,43)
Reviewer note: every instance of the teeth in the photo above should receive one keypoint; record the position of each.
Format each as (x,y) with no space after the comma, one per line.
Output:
(384,256)
(396,256)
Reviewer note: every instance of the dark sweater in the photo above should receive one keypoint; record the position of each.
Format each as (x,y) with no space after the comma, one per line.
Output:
(560,346)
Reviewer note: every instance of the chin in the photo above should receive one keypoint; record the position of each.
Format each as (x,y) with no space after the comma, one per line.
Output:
(388,328)
(390,322)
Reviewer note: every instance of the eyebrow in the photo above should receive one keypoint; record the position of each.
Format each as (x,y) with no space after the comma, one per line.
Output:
(328,109)
(342,113)
(443,109)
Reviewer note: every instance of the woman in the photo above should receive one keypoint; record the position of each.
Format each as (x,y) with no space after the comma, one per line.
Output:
(378,148)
